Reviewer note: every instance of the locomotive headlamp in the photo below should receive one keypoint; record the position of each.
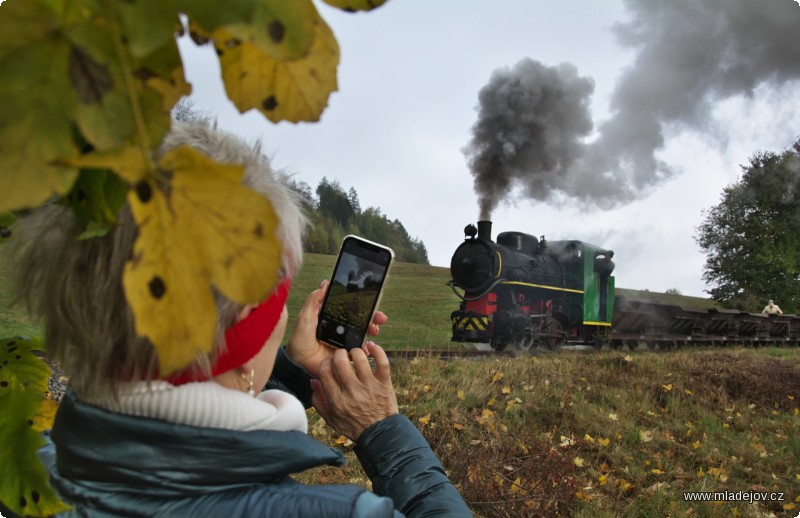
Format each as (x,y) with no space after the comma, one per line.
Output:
(470,230)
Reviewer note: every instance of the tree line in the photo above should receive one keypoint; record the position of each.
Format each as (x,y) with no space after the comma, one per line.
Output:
(334,213)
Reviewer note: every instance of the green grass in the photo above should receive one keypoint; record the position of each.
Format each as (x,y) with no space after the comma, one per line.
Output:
(607,434)
(416,298)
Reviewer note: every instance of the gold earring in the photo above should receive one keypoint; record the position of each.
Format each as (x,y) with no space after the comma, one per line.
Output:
(251,391)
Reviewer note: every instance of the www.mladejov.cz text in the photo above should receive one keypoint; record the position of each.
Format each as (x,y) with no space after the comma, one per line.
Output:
(733,496)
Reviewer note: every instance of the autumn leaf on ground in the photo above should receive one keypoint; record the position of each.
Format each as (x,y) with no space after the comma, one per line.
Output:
(201,228)
(23,385)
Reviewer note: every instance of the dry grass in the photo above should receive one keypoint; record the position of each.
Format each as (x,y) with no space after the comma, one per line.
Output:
(606,434)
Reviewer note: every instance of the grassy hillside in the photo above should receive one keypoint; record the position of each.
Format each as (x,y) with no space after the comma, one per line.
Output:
(417,300)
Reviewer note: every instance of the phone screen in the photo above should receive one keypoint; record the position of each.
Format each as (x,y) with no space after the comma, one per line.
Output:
(354,292)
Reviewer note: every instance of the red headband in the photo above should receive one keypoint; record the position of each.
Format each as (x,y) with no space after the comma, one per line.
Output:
(245,338)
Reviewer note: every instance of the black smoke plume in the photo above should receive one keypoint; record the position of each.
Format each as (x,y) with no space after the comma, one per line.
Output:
(533,120)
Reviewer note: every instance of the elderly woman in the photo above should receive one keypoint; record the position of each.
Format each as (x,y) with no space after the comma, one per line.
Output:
(204,442)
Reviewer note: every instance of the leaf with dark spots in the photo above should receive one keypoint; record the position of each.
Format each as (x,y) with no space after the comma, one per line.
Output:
(144,191)
(270,103)
(276,31)
(90,79)
(157,287)
(192,238)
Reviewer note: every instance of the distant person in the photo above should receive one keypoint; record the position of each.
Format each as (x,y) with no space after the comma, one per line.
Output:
(207,441)
(772,309)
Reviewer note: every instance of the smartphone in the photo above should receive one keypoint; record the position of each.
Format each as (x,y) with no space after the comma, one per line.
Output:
(354,292)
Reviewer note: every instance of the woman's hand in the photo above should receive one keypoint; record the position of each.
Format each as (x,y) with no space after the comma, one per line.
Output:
(303,347)
(350,396)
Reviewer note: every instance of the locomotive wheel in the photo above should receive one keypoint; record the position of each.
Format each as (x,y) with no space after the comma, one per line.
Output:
(555,338)
(499,343)
(524,344)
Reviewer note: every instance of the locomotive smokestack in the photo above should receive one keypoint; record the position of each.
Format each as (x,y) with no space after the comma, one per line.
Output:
(485,230)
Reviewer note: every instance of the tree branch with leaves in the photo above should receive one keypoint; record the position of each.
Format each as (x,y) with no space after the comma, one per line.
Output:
(88,87)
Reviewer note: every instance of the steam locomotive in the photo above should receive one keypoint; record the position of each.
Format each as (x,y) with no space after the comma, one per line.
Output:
(521,292)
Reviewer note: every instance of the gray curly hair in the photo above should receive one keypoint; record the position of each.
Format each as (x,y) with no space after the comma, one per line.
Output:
(75,285)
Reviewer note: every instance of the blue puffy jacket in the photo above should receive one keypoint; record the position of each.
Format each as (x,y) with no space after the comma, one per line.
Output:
(110,464)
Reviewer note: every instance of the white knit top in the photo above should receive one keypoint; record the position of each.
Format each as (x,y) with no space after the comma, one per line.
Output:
(210,405)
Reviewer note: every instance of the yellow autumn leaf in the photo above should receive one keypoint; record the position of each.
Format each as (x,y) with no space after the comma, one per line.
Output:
(294,91)
(656,471)
(129,162)
(460,395)
(458,426)
(604,441)
(425,420)
(497,376)
(788,507)
(578,461)
(667,387)
(201,228)
(696,444)
(45,415)
(516,487)
(499,480)
(283,30)
(602,480)
(613,416)
(588,438)
(506,390)
(343,441)
(355,5)
(645,435)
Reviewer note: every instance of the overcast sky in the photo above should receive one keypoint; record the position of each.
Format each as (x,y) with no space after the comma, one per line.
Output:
(617,123)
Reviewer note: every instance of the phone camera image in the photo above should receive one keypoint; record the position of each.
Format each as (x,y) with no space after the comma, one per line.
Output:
(353,293)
